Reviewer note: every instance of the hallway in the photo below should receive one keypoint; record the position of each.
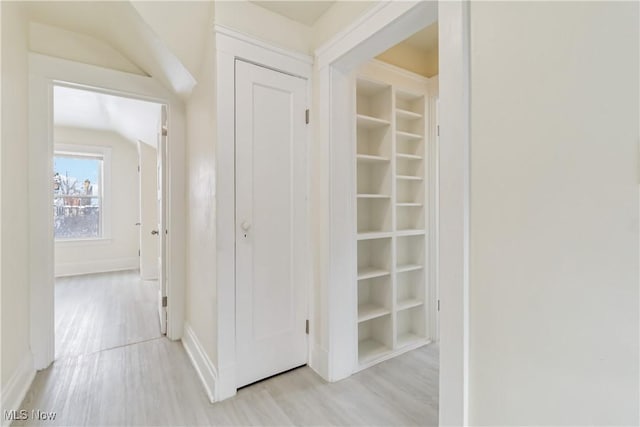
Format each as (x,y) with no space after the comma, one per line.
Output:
(125,373)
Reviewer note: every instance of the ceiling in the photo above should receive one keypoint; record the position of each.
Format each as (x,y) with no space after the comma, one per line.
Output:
(305,12)
(425,39)
(418,53)
(133,119)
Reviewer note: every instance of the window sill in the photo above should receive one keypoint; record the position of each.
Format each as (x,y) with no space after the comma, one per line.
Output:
(84,242)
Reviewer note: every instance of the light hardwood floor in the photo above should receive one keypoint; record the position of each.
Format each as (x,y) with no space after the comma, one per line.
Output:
(152,382)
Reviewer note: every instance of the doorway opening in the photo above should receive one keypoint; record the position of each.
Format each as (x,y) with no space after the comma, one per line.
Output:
(108,210)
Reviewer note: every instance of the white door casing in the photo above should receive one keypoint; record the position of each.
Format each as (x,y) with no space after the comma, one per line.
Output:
(161,230)
(271,283)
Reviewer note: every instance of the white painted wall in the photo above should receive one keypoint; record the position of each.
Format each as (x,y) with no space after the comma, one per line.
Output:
(201,290)
(554,213)
(119,251)
(60,43)
(14,203)
(256,21)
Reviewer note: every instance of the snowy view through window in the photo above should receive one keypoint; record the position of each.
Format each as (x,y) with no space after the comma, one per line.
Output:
(77,197)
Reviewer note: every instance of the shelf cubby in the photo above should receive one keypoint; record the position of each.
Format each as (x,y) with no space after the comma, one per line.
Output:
(409,218)
(409,191)
(374,178)
(375,338)
(410,250)
(373,99)
(374,215)
(409,290)
(374,255)
(410,326)
(374,298)
(374,141)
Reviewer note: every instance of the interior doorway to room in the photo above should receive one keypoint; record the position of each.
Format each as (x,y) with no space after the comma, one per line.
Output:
(108,213)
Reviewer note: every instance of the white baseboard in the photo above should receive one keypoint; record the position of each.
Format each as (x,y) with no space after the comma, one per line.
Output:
(319,361)
(201,362)
(97,266)
(17,387)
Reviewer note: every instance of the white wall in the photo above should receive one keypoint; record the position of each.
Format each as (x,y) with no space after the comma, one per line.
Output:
(554,213)
(200,305)
(60,43)
(256,21)
(120,250)
(14,203)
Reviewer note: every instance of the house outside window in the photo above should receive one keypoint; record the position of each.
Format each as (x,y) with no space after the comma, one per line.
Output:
(78,194)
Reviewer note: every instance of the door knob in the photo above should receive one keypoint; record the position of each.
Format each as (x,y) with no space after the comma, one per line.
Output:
(155,232)
(245,226)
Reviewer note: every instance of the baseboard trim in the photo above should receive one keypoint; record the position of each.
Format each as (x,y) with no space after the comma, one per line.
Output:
(319,362)
(96,266)
(17,387)
(201,362)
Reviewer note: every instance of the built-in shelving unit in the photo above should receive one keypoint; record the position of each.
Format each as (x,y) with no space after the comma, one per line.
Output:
(391,220)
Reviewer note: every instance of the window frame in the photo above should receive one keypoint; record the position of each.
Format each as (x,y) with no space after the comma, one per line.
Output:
(91,151)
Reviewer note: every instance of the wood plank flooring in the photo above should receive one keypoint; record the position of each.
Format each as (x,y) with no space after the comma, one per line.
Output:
(99,311)
(152,382)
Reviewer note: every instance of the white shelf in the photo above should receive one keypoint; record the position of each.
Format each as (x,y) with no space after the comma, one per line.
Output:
(408,136)
(407,115)
(368,235)
(368,158)
(371,349)
(392,202)
(369,122)
(373,196)
(371,311)
(409,303)
(408,338)
(411,232)
(409,177)
(371,273)
(404,268)
(408,156)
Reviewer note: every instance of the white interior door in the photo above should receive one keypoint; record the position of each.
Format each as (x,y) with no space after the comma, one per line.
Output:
(271,279)
(161,232)
(148,179)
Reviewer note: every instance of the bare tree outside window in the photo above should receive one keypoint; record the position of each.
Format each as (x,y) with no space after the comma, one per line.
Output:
(77,196)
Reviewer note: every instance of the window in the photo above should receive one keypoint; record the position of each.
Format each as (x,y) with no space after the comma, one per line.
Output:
(78,195)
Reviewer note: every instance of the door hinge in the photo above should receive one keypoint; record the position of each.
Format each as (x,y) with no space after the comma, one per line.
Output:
(138,252)
(438,305)
(306,326)
(164,301)
(306,116)
(164,131)
(138,168)
(438,130)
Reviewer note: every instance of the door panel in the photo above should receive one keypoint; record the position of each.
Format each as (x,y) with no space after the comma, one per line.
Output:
(271,287)
(148,211)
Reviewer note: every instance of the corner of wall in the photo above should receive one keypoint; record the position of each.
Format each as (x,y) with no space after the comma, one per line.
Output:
(201,362)
(14,392)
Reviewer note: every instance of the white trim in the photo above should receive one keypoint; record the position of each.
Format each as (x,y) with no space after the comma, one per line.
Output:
(96,266)
(401,71)
(14,392)
(250,40)
(229,46)
(204,367)
(44,73)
